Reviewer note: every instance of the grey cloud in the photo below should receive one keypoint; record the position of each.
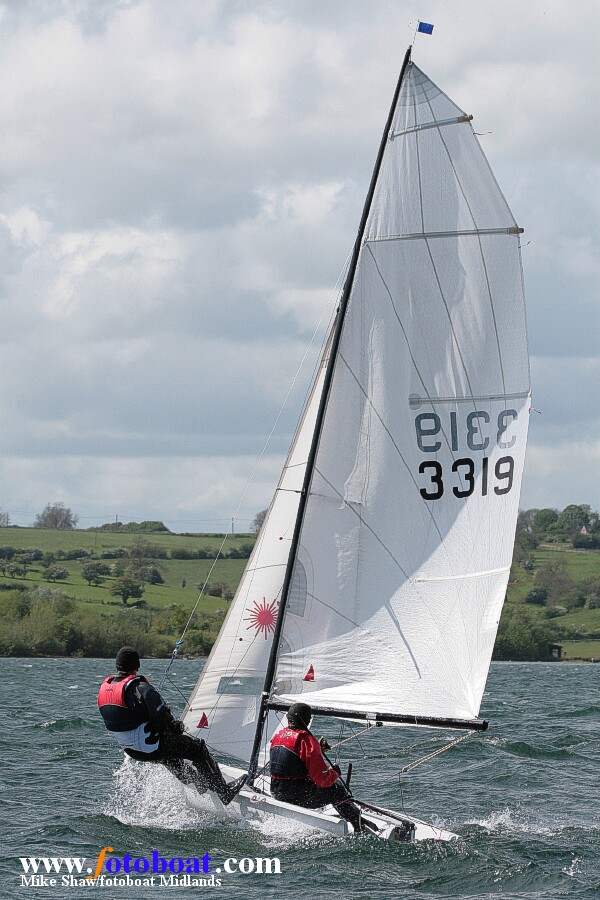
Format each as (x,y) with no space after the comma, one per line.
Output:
(172,174)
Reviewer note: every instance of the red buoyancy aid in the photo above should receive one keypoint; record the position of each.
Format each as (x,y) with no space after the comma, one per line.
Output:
(113,707)
(111,692)
(288,737)
(285,761)
(296,754)
(130,727)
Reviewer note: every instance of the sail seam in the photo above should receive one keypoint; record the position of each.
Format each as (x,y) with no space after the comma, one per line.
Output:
(351,508)
(422,380)
(339,613)
(483,574)
(435,272)
(483,261)
(395,445)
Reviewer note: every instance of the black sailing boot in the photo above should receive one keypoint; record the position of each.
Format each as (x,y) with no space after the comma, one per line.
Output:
(231,790)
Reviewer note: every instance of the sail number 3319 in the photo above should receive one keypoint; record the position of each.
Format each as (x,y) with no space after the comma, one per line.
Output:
(476,433)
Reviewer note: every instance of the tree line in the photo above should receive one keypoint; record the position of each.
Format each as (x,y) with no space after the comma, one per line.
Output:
(44,621)
(60,517)
(578,525)
(527,629)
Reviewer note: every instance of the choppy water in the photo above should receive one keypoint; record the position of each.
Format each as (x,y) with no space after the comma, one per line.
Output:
(524,797)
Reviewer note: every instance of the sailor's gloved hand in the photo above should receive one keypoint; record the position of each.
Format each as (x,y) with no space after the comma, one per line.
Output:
(324,745)
(178,727)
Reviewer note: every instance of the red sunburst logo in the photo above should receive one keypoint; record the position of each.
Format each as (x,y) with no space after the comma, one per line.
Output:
(262,616)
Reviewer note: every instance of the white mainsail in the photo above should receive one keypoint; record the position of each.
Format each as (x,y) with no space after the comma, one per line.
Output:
(406,537)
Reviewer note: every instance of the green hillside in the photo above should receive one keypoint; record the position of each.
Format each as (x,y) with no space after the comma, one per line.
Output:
(42,615)
(50,604)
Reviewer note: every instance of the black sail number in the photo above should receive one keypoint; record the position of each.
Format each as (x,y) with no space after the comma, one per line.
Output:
(468,477)
(465,471)
(436,480)
(504,471)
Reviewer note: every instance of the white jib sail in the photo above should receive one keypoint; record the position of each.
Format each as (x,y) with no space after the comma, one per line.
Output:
(224,705)
(408,533)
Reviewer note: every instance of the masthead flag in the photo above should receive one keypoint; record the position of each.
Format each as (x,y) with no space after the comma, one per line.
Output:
(425,28)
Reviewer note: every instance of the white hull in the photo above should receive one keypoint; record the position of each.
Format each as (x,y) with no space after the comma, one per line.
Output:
(253,803)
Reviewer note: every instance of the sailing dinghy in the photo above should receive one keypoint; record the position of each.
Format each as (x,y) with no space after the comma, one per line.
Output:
(376,583)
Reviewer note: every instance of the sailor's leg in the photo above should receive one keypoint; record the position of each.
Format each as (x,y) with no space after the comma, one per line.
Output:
(308,795)
(171,759)
(196,750)
(339,796)
(184,746)
(186,773)
(348,810)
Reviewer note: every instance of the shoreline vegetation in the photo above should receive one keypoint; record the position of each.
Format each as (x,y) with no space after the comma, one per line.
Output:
(70,592)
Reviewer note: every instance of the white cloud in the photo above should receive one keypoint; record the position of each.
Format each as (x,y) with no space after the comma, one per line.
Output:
(562,475)
(189,495)
(180,189)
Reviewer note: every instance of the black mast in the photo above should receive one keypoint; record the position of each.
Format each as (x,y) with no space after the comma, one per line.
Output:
(310,464)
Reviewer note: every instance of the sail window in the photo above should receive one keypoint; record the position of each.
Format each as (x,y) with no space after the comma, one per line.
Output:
(234,684)
(283,681)
(297,595)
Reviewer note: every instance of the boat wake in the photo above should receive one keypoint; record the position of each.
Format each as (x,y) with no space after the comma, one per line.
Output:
(511,822)
(146,794)
(279,834)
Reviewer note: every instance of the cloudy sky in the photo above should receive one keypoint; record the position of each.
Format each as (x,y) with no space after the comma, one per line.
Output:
(181,184)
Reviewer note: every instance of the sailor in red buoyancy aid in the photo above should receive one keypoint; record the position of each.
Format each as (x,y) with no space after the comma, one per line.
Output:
(143,725)
(299,773)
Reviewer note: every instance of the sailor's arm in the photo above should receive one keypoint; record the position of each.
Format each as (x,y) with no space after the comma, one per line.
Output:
(159,715)
(319,772)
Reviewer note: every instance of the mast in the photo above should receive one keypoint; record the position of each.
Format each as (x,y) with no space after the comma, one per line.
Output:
(271,665)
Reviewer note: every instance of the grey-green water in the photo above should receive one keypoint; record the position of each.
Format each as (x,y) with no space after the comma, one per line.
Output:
(524,797)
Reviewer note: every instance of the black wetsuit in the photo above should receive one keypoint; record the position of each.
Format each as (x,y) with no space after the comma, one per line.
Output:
(185,756)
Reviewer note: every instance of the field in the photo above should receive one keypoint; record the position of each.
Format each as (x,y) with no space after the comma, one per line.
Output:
(96,541)
(579,564)
(572,650)
(165,608)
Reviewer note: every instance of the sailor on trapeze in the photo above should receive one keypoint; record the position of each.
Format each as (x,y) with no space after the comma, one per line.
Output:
(142,723)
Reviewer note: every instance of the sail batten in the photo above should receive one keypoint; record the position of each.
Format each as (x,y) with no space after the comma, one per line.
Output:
(432,235)
(484,574)
(415,401)
(440,123)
